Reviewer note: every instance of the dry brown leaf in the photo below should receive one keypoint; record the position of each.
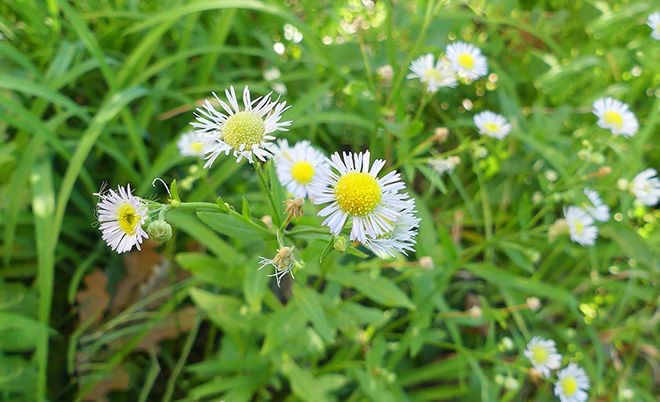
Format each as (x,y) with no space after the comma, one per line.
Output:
(140,266)
(116,381)
(94,299)
(177,323)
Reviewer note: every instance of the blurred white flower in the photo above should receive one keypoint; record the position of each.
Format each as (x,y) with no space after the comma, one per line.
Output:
(297,166)
(615,116)
(352,188)
(292,33)
(244,133)
(385,72)
(121,215)
(401,238)
(443,165)
(191,144)
(467,60)
(435,74)
(572,384)
(580,226)
(492,124)
(654,23)
(272,74)
(646,187)
(597,209)
(543,355)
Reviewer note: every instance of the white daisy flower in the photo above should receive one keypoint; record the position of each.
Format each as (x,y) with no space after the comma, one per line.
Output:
(121,216)
(243,133)
(492,124)
(191,144)
(467,60)
(654,23)
(615,116)
(402,237)
(443,165)
(646,187)
(354,191)
(597,209)
(297,167)
(580,226)
(435,75)
(572,384)
(543,355)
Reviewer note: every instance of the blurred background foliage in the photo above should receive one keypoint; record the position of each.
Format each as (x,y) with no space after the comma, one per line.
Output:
(94,91)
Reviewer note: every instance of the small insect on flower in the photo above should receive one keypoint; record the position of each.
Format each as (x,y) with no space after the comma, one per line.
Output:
(283,262)
(467,60)
(401,239)
(654,23)
(435,74)
(543,355)
(597,209)
(244,133)
(121,216)
(492,124)
(615,116)
(192,144)
(572,384)
(297,166)
(580,226)
(646,187)
(353,190)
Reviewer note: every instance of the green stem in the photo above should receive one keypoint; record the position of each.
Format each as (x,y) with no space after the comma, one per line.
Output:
(267,190)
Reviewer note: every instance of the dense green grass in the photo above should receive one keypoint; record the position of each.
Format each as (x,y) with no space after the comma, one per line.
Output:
(94,91)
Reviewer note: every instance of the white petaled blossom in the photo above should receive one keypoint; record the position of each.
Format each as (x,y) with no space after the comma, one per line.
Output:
(543,355)
(492,124)
(435,74)
(443,165)
(580,226)
(297,166)
(121,215)
(191,144)
(244,133)
(467,60)
(654,23)
(646,187)
(615,116)
(597,209)
(572,384)
(401,239)
(352,188)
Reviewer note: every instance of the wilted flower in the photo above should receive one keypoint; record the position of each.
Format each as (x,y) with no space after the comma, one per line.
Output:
(121,216)
(294,207)
(283,262)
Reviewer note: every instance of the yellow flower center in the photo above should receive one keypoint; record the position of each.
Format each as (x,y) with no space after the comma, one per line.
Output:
(540,354)
(569,386)
(243,128)
(613,118)
(302,172)
(128,219)
(491,127)
(579,227)
(432,74)
(466,60)
(358,193)
(196,147)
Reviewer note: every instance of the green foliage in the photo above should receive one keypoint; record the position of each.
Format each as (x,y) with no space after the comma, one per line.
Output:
(94,91)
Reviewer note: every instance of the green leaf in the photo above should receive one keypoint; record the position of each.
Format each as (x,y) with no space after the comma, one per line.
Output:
(303,384)
(311,305)
(209,269)
(224,311)
(378,289)
(240,229)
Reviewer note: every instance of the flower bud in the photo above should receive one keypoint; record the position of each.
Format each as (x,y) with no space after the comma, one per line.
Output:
(340,244)
(440,134)
(159,231)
